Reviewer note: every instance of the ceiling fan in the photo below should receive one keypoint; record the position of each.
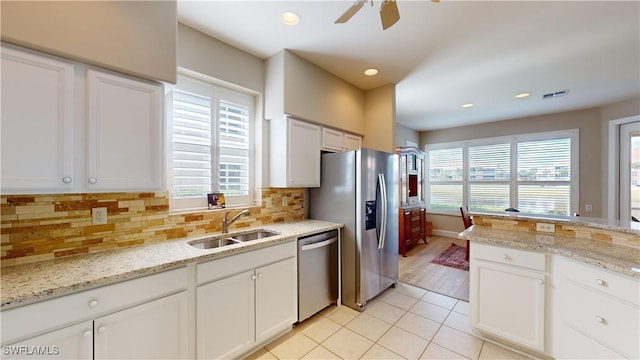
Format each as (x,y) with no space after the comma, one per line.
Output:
(389,14)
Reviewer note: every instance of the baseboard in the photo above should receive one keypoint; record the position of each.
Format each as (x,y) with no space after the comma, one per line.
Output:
(447,233)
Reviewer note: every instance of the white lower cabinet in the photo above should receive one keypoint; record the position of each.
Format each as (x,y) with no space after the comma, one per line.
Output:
(72,342)
(154,330)
(596,313)
(507,294)
(143,318)
(252,300)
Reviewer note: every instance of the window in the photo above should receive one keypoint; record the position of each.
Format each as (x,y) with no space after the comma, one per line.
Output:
(210,144)
(534,173)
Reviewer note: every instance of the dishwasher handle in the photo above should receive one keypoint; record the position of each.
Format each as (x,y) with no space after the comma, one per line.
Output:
(316,245)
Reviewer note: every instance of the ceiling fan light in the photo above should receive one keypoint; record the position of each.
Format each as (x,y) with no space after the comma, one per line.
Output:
(289,18)
(389,14)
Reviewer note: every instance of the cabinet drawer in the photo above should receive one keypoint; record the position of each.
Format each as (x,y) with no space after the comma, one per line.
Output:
(570,344)
(509,256)
(600,280)
(230,265)
(611,322)
(30,320)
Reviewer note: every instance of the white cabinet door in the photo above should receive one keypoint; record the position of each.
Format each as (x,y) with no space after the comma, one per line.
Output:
(332,140)
(294,153)
(225,325)
(124,133)
(37,122)
(304,154)
(352,142)
(508,302)
(154,330)
(72,342)
(276,298)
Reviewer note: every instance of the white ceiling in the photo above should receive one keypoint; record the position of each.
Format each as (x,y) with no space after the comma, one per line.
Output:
(442,55)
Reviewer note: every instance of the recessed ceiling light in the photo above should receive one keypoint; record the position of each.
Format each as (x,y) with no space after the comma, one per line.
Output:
(289,18)
(371,72)
(522,95)
(467,105)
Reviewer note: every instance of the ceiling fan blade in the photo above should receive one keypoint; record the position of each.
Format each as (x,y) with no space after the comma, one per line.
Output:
(389,14)
(350,12)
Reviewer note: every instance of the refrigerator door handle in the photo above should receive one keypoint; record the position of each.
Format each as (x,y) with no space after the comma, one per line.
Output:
(383,194)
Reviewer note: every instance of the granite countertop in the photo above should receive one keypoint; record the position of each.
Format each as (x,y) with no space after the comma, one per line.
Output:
(598,223)
(618,258)
(27,283)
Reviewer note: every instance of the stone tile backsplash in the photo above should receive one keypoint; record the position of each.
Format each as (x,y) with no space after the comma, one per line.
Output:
(568,230)
(42,227)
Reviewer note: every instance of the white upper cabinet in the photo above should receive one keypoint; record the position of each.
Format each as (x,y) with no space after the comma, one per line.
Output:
(295,153)
(352,142)
(124,133)
(37,123)
(122,146)
(332,140)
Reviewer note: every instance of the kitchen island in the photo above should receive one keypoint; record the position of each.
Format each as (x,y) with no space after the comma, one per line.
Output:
(561,287)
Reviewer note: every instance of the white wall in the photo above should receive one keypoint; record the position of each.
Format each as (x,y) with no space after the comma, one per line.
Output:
(131,37)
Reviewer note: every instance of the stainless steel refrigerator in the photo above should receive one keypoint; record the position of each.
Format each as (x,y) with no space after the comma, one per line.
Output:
(360,189)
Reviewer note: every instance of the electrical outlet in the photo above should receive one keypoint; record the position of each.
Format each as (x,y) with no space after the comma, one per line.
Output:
(99,215)
(544,227)
(285,201)
(588,208)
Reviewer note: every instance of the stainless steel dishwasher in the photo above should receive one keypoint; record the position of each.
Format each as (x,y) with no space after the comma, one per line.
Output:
(317,273)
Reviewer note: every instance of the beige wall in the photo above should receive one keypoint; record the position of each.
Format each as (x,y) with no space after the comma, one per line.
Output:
(132,37)
(206,55)
(591,164)
(299,88)
(379,113)
(404,133)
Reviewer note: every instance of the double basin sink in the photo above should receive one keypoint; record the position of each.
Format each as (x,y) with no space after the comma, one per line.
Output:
(231,239)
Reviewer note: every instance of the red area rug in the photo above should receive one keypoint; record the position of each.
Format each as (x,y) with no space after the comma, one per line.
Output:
(453,257)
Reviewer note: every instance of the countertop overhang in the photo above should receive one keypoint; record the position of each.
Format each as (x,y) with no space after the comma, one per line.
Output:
(32,282)
(617,258)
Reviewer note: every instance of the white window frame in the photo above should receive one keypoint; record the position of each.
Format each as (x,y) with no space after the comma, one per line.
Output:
(216,88)
(513,178)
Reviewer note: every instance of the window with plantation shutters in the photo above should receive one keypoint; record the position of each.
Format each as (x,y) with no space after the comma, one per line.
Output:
(210,144)
(488,177)
(534,173)
(445,178)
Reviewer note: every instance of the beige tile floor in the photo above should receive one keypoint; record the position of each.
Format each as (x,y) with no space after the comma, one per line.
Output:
(404,322)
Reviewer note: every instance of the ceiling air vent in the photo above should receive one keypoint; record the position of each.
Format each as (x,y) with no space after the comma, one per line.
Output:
(555,94)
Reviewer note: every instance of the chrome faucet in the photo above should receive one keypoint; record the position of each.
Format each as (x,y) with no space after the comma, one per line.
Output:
(226,223)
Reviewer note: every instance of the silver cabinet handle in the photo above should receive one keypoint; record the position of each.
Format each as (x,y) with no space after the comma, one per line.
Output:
(87,333)
(66,180)
(540,281)
(92,180)
(101,329)
(253,277)
(93,303)
(601,320)
(506,257)
(601,282)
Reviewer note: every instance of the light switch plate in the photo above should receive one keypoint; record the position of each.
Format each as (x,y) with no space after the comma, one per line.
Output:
(544,227)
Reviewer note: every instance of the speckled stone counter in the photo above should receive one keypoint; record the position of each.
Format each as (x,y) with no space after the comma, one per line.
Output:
(23,284)
(608,246)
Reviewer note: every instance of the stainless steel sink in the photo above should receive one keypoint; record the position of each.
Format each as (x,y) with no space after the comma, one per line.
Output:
(254,235)
(214,243)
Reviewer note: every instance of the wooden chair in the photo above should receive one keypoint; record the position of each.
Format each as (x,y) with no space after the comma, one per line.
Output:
(466,220)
